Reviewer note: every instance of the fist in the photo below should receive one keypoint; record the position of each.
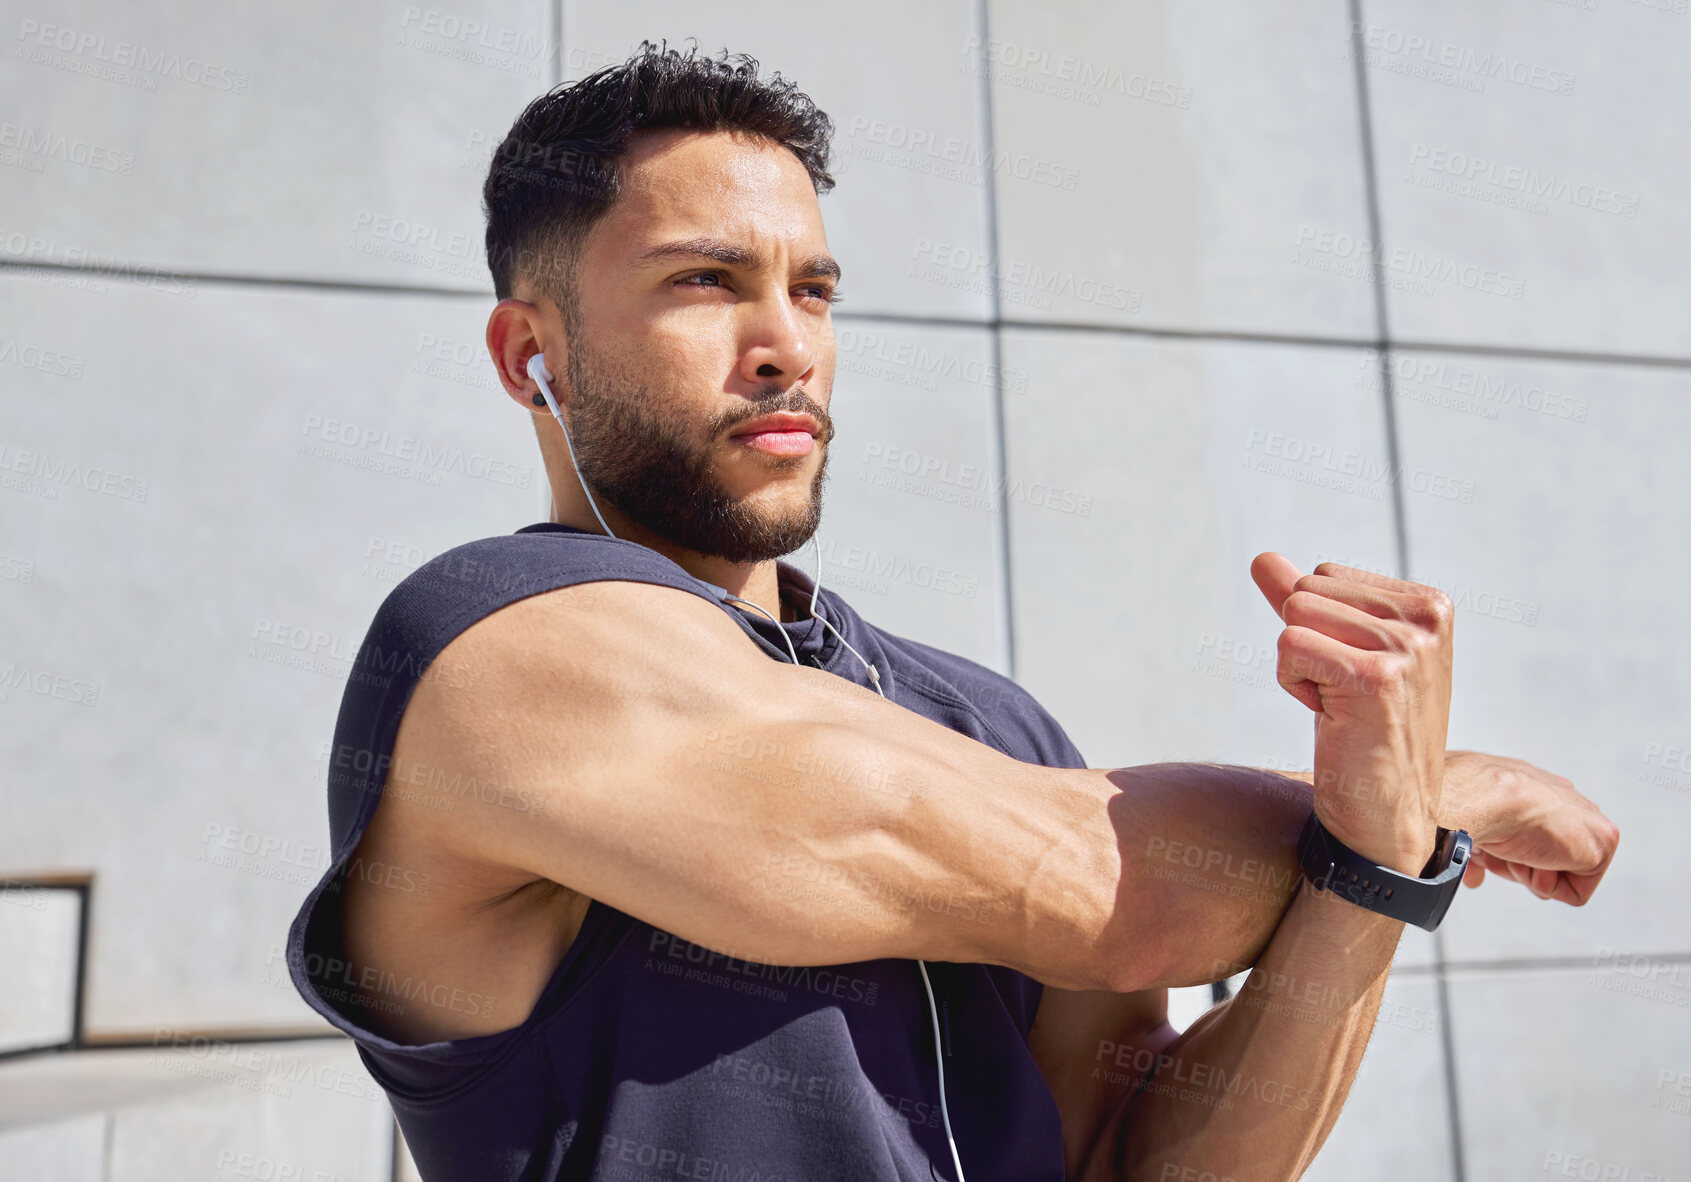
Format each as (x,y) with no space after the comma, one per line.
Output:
(1371,656)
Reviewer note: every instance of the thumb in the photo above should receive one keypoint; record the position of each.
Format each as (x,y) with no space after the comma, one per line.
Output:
(1275,575)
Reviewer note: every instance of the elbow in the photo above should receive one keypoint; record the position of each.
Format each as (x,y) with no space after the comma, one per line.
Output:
(1132,957)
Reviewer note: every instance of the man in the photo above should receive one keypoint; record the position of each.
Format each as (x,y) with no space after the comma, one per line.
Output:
(627,887)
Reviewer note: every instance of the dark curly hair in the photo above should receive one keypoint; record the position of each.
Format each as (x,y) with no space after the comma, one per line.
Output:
(556,172)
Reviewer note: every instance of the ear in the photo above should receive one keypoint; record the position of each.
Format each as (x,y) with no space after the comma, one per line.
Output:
(517,330)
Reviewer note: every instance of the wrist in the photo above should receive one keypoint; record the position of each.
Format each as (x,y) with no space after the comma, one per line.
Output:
(1405,845)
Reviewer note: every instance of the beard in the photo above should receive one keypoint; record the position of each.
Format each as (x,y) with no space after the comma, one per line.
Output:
(647,465)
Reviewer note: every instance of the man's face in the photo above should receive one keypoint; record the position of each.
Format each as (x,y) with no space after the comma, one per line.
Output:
(702,308)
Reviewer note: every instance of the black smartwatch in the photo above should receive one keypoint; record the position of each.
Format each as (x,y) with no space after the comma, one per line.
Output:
(1330,865)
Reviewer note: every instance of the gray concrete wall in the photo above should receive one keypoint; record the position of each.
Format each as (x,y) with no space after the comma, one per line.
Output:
(1134,292)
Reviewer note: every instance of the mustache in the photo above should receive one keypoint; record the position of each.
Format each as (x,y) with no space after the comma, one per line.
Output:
(776,401)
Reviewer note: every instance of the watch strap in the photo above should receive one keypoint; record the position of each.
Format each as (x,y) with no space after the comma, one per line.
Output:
(1330,865)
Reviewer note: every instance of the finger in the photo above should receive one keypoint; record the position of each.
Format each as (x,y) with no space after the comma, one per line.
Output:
(1474,875)
(1385,603)
(1357,574)
(1513,871)
(1580,887)
(1309,660)
(1274,575)
(1337,619)
(1306,654)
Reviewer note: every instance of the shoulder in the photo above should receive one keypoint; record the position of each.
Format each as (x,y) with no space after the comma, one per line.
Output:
(1030,730)
(461,586)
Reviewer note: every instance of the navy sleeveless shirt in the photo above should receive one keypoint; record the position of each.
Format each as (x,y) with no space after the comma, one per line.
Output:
(651,1058)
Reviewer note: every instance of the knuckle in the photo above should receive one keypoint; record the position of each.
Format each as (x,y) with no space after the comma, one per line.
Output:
(1387,670)
(1299,603)
(1420,642)
(1435,607)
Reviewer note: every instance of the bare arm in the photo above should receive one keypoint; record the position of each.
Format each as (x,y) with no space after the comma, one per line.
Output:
(646,754)
(1251,1091)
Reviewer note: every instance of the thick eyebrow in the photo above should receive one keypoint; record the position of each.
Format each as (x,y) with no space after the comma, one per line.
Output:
(814,267)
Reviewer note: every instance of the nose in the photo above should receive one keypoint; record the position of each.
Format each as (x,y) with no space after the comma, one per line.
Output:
(775,345)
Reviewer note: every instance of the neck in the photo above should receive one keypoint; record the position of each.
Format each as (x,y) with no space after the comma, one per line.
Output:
(754,581)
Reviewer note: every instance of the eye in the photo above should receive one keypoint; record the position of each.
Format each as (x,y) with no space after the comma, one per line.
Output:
(714,278)
(820,291)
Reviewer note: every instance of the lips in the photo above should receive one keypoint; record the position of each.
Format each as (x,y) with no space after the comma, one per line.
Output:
(779,434)
(779,423)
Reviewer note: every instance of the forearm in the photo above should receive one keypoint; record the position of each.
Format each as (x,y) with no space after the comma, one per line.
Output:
(1277,1060)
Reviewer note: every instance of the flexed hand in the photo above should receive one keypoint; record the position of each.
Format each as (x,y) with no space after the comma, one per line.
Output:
(1529,825)
(1371,656)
